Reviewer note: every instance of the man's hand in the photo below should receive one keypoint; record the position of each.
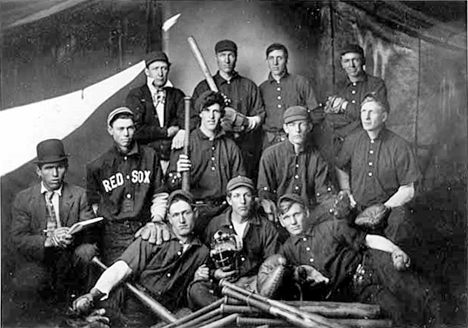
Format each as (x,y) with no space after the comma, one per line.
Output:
(85,253)
(154,233)
(335,105)
(309,275)
(401,260)
(85,303)
(172,130)
(61,238)
(270,209)
(225,273)
(183,164)
(202,273)
(178,141)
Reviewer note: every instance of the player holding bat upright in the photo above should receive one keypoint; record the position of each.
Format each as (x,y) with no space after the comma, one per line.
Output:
(244,105)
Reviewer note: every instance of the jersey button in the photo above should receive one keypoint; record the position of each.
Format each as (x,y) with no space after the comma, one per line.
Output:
(370,174)
(125,158)
(370,163)
(311,260)
(371,151)
(213,168)
(128,177)
(304,239)
(296,187)
(278,89)
(279,97)
(296,177)
(308,249)
(353,92)
(179,253)
(279,106)
(168,275)
(129,196)
(353,101)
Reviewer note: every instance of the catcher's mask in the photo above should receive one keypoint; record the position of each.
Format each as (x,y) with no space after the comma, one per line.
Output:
(224,251)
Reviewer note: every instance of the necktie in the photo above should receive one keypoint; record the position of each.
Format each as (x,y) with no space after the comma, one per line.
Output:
(51,216)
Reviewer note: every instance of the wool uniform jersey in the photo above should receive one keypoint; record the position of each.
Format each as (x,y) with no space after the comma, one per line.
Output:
(123,185)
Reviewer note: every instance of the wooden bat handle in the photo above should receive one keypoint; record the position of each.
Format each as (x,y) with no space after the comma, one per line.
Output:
(202,63)
(186,175)
(147,300)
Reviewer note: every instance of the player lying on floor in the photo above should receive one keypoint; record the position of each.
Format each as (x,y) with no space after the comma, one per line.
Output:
(165,271)
(354,265)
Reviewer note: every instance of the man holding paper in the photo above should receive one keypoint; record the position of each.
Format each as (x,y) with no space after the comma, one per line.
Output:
(49,255)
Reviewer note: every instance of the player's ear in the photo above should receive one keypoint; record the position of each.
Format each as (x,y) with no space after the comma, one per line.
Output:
(195,212)
(109,130)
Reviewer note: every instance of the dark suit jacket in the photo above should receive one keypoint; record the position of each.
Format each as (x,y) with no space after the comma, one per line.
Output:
(149,132)
(30,218)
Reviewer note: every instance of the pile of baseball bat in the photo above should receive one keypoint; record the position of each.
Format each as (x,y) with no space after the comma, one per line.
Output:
(242,308)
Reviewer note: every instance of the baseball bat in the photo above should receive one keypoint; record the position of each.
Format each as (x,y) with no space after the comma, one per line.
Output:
(202,63)
(186,174)
(291,309)
(156,307)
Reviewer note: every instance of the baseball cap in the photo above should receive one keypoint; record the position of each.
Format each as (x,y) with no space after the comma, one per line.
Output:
(112,115)
(292,197)
(225,45)
(295,113)
(239,181)
(180,194)
(50,151)
(352,48)
(156,56)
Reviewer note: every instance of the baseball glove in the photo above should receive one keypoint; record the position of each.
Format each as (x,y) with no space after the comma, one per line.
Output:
(96,319)
(234,121)
(372,217)
(334,104)
(271,276)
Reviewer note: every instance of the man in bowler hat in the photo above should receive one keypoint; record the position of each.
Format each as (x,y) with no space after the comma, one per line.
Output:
(50,265)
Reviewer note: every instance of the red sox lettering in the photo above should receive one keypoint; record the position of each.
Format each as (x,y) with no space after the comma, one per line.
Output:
(117,180)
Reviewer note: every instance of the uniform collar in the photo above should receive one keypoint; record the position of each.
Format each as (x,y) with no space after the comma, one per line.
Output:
(135,150)
(290,147)
(226,218)
(218,134)
(271,79)
(220,80)
(362,78)
(382,135)
(45,190)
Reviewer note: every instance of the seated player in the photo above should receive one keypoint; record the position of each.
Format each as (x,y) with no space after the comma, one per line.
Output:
(354,265)
(214,159)
(240,238)
(165,271)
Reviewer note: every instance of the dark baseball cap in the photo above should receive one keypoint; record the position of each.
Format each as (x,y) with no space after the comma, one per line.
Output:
(352,48)
(180,194)
(292,197)
(239,181)
(295,113)
(156,56)
(225,45)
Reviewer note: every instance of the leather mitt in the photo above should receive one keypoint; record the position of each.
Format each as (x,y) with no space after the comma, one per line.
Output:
(271,276)
(372,217)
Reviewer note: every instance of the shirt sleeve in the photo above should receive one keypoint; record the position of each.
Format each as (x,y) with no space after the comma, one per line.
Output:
(323,188)
(406,165)
(309,95)
(349,236)
(92,185)
(344,156)
(138,255)
(257,107)
(271,240)
(237,161)
(266,177)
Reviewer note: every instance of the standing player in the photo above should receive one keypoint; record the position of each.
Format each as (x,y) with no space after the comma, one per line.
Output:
(158,109)
(280,91)
(244,104)
(123,183)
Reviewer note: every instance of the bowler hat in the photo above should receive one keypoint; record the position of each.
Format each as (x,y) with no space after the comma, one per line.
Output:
(225,45)
(295,113)
(156,56)
(239,181)
(50,151)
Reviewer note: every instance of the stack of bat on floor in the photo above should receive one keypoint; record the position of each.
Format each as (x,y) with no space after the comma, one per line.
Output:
(241,308)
